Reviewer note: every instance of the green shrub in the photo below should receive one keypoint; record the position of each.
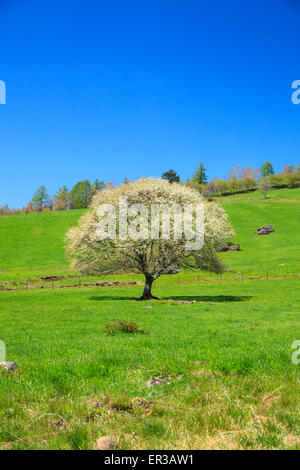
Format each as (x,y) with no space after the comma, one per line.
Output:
(122,326)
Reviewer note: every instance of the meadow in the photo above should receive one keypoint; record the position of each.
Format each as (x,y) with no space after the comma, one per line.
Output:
(31,245)
(228,381)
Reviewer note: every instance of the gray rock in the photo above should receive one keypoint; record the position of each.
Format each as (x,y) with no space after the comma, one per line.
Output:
(105,443)
(155,381)
(265,230)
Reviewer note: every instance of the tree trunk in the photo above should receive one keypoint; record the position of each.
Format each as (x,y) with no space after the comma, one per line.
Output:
(147,288)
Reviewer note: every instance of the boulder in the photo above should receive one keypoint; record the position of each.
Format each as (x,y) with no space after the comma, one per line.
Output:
(231,247)
(105,443)
(234,248)
(265,230)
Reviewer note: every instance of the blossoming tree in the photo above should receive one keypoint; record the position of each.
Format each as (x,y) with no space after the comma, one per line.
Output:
(148,226)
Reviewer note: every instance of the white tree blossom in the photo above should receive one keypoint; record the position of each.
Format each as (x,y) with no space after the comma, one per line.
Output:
(151,255)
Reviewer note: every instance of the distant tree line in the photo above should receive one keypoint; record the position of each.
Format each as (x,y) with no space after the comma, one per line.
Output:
(79,197)
(247,179)
(238,180)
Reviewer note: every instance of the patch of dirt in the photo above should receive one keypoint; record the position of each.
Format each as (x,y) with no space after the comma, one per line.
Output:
(92,417)
(141,403)
(60,423)
(53,278)
(156,381)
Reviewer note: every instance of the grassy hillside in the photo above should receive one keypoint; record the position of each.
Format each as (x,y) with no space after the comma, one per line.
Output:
(286,193)
(31,245)
(275,253)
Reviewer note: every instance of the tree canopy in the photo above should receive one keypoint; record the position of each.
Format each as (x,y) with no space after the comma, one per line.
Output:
(171,176)
(40,197)
(151,256)
(199,176)
(267,169)
(80,196)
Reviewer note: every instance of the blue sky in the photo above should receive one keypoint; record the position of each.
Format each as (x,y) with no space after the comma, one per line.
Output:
(117,89)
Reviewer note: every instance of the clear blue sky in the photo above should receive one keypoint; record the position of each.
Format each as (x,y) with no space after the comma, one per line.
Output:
(115,89)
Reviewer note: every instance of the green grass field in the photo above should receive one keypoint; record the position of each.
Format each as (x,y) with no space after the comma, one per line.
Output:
(31,245)
(229,381)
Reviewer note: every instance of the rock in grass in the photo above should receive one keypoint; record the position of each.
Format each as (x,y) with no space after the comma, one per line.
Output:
(265,230)
(231,247)
(105,443)
(155,381)
(8,366)
(234,248)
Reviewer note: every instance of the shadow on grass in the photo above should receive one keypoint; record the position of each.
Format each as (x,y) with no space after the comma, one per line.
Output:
(211,298)
(198,298)
(113,297)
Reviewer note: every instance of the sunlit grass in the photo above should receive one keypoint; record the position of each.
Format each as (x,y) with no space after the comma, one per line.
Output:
(226,362)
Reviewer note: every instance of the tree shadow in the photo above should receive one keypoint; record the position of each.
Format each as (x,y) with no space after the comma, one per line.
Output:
(188,298)
(112,297)
(211,298)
